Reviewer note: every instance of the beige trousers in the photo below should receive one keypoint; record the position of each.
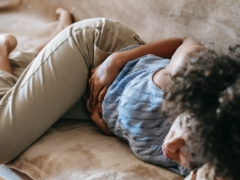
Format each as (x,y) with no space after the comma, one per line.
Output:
(54,81)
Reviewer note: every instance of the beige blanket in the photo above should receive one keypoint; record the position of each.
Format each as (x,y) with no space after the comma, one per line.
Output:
(77,150)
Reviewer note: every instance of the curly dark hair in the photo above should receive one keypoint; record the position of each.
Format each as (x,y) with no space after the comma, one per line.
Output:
(209,89)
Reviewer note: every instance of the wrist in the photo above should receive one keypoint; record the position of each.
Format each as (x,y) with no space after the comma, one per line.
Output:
(116,60)
(121,58)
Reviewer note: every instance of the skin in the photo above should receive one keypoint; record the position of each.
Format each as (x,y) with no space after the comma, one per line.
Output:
(176,140)
(178,50)
(64,20)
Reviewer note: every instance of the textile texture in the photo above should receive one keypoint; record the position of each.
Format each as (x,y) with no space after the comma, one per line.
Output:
(78,150)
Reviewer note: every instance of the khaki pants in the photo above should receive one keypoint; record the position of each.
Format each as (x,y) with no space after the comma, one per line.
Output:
(54,81)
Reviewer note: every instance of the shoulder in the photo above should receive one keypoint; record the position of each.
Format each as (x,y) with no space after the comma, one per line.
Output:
(189,47)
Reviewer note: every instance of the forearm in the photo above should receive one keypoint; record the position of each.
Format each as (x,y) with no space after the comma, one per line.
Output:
(163,48)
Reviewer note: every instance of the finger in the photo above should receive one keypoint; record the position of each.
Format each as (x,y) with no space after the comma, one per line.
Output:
(101,98)
(97,118)
(92,71)
(103,126)
(102,93)
(100,107)
(89,107)
(95,94)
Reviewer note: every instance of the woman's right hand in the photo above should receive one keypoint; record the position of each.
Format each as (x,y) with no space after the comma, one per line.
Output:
(97,118)
(101,78)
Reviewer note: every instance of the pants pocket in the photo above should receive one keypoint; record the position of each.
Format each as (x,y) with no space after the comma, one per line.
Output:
(139,40)
(99,56)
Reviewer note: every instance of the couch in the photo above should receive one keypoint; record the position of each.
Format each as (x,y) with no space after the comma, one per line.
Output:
(76,149)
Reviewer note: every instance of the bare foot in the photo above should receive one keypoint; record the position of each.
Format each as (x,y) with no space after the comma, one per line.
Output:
(7,43)
(65,19)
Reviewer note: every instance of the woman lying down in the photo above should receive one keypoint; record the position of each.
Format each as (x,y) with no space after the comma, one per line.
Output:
(127,83)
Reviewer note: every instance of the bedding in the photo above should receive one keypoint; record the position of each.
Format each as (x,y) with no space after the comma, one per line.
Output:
(76,149)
